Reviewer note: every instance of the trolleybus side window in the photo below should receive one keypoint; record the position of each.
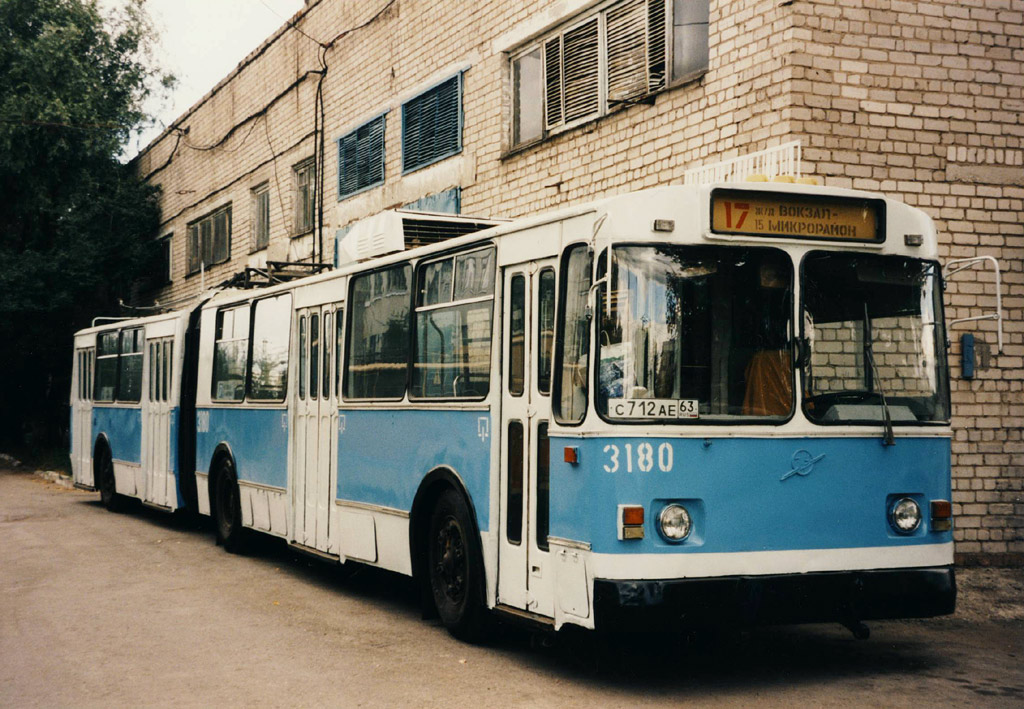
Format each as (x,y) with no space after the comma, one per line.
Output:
(314,353)
(230,353)
(328,355)
(514,503)
(303,357)
(89,372)
(268,378)
(573,346)
(168,367)
(453,327)
(377,358)
(517,335)
(339,344)
(543,485)
(545,329)
(154,372)
(129,380)
(106,366)
(695,332)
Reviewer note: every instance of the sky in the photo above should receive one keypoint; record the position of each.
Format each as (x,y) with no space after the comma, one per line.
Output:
(200,42)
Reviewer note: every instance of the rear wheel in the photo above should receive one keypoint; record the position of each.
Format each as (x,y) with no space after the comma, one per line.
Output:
(454,568)
(227,509)
(109,496)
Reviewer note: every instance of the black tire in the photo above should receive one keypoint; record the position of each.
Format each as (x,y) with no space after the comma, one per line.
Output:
(227,510)
(111,499)
(455,569)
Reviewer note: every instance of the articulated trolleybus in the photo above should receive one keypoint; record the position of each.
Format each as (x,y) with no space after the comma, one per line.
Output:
(678,407)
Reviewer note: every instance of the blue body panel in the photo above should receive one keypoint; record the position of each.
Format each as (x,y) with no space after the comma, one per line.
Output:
(383,455)
(258,439)
(122,426)
(834,495)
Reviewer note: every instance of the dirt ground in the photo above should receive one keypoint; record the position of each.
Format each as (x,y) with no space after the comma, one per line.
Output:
(142,609)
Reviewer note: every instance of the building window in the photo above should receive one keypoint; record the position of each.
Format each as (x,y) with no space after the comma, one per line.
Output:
(163,274)
(260,217)
(305,196)
(361,158)
(209,240)
(615,57)
(432,125)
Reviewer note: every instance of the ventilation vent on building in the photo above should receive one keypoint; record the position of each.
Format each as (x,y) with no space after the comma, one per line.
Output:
(399,230)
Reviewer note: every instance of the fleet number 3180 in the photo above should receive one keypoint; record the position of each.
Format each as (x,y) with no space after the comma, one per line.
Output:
(638,457)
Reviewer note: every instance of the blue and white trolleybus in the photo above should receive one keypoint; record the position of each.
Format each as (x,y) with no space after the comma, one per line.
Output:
(678,407)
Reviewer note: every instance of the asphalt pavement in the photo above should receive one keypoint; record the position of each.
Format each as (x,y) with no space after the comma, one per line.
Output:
(142,609)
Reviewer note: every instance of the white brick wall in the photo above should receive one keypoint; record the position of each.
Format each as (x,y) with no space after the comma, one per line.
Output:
(920,100)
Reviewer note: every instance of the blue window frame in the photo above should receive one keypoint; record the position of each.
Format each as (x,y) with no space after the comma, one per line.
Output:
(361,158)
(432,125)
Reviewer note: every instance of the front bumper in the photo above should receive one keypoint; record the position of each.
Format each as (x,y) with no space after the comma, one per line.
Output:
(840,596)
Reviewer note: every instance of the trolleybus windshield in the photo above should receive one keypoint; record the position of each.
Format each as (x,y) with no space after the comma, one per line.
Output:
(692,333)
(864,307)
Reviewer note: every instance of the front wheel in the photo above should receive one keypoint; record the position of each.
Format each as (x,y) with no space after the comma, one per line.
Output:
(455,570)
(227,509)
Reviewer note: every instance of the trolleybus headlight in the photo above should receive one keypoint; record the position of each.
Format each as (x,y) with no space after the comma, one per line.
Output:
(905,515)
(674,523)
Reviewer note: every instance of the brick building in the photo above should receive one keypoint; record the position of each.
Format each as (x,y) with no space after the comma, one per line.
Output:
(506,109)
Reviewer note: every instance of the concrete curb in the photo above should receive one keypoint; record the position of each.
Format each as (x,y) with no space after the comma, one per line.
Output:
(56,477)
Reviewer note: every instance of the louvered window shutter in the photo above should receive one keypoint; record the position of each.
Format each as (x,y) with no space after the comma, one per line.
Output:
(432,125)
(361,158)
(636,49)
(553,81)
(627,50)
(657,45)
(581,71)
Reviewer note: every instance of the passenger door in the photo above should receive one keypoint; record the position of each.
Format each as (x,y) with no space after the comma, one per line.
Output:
(156,424)
(525,575)
(81,416)
(315,440)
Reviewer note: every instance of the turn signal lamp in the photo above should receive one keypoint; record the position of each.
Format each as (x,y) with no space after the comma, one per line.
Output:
(631,522)
(942,516)
(572,455)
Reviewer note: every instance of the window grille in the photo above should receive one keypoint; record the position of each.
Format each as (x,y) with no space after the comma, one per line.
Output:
(432,125)
(361,158)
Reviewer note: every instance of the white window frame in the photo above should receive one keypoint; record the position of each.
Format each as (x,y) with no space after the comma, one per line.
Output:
(604,109)
(258,191)
(299,227)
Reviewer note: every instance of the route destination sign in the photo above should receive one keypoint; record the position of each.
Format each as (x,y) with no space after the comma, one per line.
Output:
(756,213)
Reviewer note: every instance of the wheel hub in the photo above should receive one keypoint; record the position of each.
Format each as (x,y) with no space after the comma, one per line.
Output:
(451,559)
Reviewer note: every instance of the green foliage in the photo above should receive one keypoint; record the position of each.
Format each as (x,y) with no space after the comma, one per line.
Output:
(77,227)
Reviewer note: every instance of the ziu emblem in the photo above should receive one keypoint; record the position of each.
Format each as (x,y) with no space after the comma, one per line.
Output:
(802,464)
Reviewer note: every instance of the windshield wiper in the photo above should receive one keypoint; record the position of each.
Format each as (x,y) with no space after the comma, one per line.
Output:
(888,439)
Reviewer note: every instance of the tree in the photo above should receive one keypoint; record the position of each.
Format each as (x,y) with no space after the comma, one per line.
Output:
(77,226)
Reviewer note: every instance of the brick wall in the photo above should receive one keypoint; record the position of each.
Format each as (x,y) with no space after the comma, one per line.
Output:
(920,100)
(924,101)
